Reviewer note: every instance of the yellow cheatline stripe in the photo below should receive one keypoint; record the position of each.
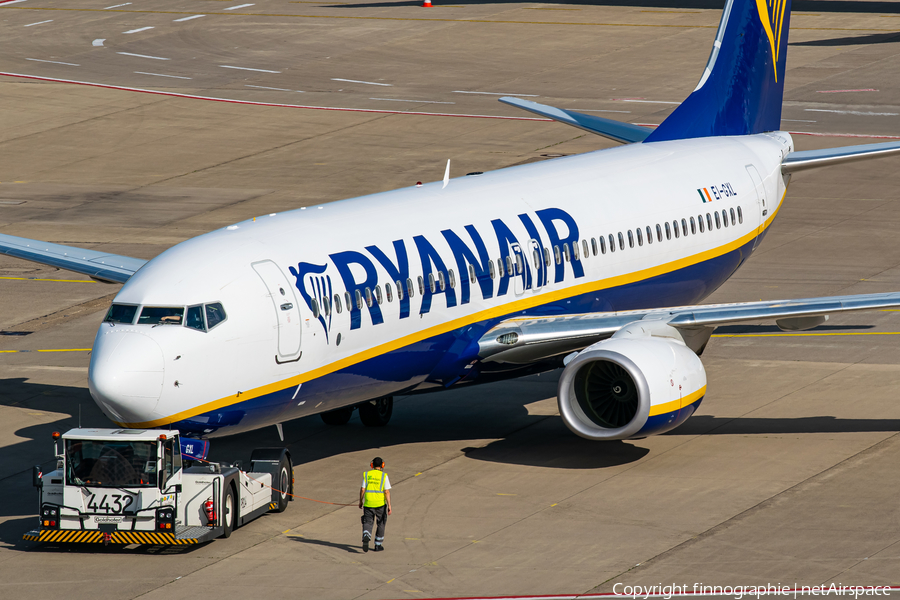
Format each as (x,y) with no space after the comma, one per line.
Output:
(236,14)
(661,409)
(51,350)
(57,280)
(740,335)
(447,326)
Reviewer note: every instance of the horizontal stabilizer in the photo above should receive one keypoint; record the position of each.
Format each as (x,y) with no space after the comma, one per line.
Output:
(103,266)
(811,159)
(614,130)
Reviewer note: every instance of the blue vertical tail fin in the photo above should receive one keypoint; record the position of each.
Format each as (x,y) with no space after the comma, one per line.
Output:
(742,87)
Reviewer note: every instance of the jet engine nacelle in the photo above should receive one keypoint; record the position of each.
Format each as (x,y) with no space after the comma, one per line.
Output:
(631,387)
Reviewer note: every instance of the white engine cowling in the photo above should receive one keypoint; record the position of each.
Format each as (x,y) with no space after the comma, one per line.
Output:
(631,387)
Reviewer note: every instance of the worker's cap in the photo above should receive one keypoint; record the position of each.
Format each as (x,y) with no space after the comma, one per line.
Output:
(377,462)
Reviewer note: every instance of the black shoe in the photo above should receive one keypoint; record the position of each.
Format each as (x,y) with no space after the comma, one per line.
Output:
(366,539)
(379,548)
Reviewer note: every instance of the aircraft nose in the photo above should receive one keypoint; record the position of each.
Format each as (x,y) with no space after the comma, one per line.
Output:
(126,375)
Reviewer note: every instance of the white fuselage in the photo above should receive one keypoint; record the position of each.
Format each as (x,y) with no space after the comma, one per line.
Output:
(274,359)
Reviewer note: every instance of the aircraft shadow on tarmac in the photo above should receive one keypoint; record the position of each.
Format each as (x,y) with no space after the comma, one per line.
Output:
(735,329)
(817,6)
(860,40)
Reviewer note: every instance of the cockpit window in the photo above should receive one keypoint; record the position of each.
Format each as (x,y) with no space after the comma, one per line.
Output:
(161,315)
(215,314)
(195,318)
(121,313)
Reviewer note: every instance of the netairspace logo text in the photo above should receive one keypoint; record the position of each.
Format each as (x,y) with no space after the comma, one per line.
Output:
(739,592)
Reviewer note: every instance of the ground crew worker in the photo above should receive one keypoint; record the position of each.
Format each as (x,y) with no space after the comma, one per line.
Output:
(375,500)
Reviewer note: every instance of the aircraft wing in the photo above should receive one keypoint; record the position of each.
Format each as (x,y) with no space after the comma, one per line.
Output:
(102,266)
(529,339)
(614,130)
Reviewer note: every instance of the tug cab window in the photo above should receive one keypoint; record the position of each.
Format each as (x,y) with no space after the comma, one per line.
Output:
(121,313)
(161,315)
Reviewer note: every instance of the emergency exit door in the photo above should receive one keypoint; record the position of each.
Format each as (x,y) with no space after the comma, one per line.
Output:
(760,199)
(287,310)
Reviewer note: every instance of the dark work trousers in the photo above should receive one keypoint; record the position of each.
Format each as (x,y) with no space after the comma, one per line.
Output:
(368,519)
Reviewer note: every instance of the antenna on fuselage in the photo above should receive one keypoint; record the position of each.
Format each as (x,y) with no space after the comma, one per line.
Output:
(447,174)
(280,431)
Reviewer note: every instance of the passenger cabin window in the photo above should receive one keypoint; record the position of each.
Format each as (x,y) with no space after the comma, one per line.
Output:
(675,227)
(432,284)
(725,217)
(566,254)
(649,235)
(640,236)
(442,282)
(668,231)
(557,255)
(718,223)
(215,314)
(584,248)
(359,300)
(409,288)
(315,308)
(491,271)
(708,222)
(509,267)
(740,215)
(452,276)
(368,297)
(612,243)
(547,257)
(378,297)
(388,292)
(594,246)
(337,303)
(700,222)
(161,315)
(347,301)
(731,212)
(194,318)
(658,233)
(121,313)
(630,239)
(472,271)
(574,250)
(684,226)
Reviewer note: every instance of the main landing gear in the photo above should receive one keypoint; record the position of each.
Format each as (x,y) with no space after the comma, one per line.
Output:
(372,413)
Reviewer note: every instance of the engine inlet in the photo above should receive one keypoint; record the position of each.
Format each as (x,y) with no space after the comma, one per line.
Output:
(606,393)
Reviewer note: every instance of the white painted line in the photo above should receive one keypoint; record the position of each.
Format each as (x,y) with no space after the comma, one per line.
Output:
(143,56)
(642,101)
(248,69)
(238,6)
(497,94)
(117,6)
(262,87)
(365,82)
(797,121)
(182,19)
(600,110)
(138,30)
(55,62)
(853,112)
(161,75)
(98,42)
(38,23)
(415,101)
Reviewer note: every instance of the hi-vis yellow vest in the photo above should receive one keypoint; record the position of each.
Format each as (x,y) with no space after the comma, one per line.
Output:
(374,489)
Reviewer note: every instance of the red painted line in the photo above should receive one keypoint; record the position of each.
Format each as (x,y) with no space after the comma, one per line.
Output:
(251,103)
(841,91)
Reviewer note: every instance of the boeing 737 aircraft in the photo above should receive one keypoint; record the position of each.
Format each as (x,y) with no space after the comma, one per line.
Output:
(595,263)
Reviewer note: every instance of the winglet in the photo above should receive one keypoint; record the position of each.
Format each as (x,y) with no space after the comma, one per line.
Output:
(614,130)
